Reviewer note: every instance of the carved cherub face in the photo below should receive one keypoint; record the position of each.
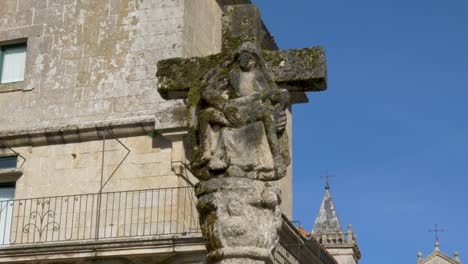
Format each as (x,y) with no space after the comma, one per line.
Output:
(246,61)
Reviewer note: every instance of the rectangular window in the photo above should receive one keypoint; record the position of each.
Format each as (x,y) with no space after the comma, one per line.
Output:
(8,162)
(7,194)
(12,63)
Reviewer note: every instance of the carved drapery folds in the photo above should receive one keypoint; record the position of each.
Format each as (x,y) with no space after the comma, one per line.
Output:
(240,121)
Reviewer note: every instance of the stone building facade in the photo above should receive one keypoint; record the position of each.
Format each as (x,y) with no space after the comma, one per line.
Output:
(93,162)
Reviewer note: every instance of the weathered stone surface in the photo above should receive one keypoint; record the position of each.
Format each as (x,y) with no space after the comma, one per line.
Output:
(248,151)
(237,122)
(234,212)
(241,23)
(75,168)
(241,121)
(177,75)
(301,69)
(94,61)
(90,69)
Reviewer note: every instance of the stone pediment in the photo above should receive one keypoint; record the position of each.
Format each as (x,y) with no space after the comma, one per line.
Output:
(438,257)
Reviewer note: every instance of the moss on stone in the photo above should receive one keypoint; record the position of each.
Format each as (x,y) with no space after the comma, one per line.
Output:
(179,114)
(154,134)
(273,58)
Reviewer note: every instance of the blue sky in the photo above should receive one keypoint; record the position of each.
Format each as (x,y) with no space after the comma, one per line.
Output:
(392,125)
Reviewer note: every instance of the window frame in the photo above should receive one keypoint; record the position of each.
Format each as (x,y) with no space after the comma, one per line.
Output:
(2,56)
(5,41)
(10,175)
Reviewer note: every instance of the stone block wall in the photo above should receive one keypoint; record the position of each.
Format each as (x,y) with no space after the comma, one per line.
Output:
(94,61)
(92,64)
(89,61)
(283,256)
(75,168)
(202,32)
(344,255)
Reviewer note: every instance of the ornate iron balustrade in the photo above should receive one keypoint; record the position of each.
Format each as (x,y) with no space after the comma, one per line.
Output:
(156,212)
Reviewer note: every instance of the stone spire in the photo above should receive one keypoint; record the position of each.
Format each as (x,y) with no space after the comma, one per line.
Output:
(327,221)
(327,231)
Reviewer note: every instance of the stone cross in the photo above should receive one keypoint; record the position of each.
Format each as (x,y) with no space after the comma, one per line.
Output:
(297,70)
(236,103)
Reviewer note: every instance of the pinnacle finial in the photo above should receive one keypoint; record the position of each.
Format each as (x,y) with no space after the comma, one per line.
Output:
(327,178)
(436,246)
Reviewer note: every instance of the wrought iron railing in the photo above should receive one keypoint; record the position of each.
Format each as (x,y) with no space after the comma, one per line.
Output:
(156,212)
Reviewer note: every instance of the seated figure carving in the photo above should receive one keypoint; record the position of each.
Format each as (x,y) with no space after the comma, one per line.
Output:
(241,120)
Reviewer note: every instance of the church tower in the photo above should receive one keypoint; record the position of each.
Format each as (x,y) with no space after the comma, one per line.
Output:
(327,231)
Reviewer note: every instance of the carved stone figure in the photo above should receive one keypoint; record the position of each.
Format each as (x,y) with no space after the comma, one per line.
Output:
(241,121)
(242,144)
(238,141)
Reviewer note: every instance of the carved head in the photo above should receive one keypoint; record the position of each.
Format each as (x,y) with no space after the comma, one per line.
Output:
(247,56)
(246,61)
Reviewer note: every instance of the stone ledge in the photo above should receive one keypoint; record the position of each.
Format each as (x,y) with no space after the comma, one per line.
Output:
(101,248)
(12,87)
(10,175)
(290,239)
(77,133)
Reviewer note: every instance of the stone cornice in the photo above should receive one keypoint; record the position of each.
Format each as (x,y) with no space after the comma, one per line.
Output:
(10,175)
(101,248)
(77,133)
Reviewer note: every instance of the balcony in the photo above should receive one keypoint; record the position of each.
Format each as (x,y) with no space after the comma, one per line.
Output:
(99,216)
(143,226)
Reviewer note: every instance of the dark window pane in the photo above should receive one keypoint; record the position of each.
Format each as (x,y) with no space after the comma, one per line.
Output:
(8,162)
